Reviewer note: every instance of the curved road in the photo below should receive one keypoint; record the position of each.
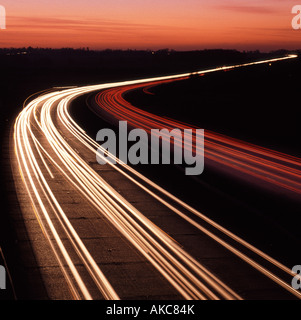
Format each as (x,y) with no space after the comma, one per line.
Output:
(56,160)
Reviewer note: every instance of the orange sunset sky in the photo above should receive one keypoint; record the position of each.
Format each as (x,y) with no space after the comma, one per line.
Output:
(150,24)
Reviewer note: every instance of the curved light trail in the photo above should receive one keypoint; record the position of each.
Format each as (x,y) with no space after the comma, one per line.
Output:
(222,152)
(38,141)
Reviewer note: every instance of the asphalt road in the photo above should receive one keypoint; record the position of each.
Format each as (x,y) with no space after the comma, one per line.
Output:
(108,232)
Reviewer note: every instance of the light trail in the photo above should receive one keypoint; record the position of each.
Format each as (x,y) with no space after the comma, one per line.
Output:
(37,138)
(222,152)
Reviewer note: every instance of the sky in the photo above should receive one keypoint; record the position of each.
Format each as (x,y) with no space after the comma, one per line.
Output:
(151,24)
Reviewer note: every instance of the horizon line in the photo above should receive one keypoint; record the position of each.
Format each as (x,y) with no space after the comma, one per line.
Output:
(87,48)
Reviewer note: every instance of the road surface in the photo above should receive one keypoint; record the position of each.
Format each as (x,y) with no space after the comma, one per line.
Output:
(108,232)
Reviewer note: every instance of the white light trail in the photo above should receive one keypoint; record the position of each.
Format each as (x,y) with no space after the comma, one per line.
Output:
(35,125)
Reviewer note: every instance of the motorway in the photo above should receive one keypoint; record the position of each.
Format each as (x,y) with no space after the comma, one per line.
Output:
(98,232)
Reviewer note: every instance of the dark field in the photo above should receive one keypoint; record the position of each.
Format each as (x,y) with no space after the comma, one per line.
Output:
(258,104)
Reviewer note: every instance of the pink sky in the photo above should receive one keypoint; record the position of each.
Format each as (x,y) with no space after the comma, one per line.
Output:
(151,24)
